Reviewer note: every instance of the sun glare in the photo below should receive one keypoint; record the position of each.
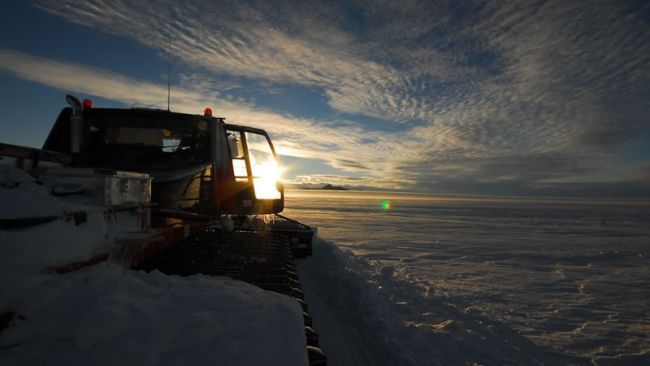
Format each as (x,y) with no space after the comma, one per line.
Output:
(266,179)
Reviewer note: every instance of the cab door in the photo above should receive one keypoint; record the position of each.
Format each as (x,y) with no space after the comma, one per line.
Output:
(254,186)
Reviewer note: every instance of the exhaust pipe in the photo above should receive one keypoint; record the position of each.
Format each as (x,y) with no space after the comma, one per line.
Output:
(76,123)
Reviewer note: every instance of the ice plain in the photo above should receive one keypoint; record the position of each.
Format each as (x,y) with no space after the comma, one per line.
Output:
(486,280)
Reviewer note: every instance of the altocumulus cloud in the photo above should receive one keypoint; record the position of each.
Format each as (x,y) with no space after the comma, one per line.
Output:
(487,97)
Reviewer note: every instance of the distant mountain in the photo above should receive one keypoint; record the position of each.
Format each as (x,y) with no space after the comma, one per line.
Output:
(320,186)
(325,187)
(334,188)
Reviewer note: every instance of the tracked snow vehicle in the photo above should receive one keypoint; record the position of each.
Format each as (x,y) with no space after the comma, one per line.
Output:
(193,193)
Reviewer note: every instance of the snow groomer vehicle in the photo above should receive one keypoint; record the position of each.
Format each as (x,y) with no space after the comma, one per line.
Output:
(183,194)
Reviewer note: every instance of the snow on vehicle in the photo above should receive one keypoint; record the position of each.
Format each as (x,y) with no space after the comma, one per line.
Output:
(178,192)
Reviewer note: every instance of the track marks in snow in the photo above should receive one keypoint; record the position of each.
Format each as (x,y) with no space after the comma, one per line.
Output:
(368,313)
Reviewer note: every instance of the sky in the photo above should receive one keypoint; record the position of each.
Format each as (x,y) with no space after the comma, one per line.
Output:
(446,97)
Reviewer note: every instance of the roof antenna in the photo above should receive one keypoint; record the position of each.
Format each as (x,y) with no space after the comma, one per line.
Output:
(169,72)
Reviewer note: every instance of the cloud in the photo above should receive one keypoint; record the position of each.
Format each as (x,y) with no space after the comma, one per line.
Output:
(505,94)
(335,179)
(253,42)
(293,136)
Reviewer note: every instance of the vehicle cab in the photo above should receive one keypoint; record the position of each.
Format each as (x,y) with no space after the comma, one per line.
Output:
(199,164)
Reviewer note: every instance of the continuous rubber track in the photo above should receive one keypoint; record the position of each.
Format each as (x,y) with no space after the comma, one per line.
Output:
(261,258)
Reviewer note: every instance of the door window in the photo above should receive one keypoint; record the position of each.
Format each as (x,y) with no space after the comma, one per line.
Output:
(264,166)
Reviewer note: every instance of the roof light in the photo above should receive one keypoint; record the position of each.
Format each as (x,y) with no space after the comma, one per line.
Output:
(207,112)
(88,104)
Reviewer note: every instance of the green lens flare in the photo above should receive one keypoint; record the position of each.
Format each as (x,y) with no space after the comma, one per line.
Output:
(385,205)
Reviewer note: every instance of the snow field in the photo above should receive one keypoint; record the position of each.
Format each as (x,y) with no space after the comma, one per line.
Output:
(446,280)
(369,313)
